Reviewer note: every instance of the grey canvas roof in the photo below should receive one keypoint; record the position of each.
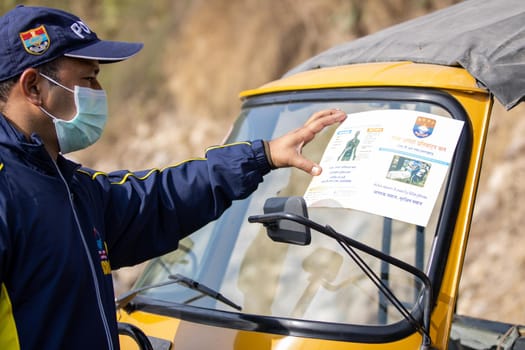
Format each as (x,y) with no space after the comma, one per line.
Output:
(486,37)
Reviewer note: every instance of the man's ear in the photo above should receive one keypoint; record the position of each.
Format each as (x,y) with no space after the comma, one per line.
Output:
(31,84)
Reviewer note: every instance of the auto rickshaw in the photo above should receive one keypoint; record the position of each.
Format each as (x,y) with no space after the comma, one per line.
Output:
(369,255)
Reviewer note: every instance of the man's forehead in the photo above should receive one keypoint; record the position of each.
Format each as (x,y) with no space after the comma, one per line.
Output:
(79,64)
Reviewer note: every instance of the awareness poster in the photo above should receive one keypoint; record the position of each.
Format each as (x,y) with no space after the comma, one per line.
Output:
(386,162)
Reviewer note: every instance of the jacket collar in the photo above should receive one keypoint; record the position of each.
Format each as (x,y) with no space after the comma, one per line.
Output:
(32,152)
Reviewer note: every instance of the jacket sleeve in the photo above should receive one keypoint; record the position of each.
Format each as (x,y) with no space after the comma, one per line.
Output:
(147,213)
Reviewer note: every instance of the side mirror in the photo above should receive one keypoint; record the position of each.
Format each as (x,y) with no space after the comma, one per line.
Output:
(283,230)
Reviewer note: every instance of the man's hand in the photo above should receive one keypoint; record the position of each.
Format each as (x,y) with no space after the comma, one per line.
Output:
(285,151)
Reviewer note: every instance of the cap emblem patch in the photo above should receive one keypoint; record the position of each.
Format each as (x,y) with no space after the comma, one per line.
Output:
(36,41)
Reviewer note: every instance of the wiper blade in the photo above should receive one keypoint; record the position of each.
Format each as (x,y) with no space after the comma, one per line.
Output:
(192,284)
(124,299)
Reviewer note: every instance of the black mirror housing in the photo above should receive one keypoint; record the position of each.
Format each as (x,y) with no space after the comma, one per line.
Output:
(287,231)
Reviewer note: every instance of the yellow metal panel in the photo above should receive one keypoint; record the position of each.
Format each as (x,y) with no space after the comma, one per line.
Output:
(189,335)
(151,324)
(478,108)
(374,74)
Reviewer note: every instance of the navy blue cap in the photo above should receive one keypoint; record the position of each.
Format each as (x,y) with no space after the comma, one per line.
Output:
(31,36)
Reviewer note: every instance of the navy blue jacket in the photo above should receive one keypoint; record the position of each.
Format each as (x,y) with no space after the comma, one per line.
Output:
(63,228)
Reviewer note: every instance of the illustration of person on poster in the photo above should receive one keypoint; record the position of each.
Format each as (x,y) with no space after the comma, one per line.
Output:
(350,149)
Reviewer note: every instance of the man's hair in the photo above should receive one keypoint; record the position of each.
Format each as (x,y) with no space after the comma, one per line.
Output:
(50,69)
(5,89)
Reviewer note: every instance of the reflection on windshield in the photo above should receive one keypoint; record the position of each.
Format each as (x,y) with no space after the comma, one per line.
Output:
(316,282)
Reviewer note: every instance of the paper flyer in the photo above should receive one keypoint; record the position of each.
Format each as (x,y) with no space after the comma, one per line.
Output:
(387,162)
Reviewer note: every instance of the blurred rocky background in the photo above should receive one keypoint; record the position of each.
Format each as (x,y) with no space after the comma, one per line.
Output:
(179,95)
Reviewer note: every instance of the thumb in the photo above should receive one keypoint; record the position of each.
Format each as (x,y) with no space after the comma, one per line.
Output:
(316,170)
(307,165)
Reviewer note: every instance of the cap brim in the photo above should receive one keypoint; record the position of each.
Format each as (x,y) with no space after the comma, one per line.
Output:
(106,51)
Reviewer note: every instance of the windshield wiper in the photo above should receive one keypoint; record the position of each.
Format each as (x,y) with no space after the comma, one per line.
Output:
(192,284)
(293,209)
(124,300)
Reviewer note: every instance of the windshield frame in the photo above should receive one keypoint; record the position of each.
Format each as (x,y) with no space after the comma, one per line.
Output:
(436,266)
(460,161)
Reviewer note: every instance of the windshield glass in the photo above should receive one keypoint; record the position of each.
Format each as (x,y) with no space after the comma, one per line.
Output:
(315,282)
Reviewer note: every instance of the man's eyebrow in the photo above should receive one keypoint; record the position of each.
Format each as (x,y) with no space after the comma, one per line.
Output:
(93,66)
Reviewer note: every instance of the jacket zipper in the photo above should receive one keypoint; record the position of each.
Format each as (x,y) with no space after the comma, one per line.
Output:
(102,312)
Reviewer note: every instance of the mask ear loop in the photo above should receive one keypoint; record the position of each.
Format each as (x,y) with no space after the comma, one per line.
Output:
(48,114)
(57,83)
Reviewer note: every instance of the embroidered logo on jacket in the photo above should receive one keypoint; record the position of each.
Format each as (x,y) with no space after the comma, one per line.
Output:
(36,41)
(102,252)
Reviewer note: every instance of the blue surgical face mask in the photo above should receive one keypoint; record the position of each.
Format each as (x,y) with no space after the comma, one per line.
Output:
(87,125)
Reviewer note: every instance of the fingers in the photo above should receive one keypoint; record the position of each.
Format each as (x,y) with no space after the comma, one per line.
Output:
(319,120)
(287,150)
(326,117)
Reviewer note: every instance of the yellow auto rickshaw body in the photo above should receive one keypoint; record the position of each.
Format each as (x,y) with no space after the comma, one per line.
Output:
(456,82)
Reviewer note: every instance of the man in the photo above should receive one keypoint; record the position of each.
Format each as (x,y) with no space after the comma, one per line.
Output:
(63,227)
